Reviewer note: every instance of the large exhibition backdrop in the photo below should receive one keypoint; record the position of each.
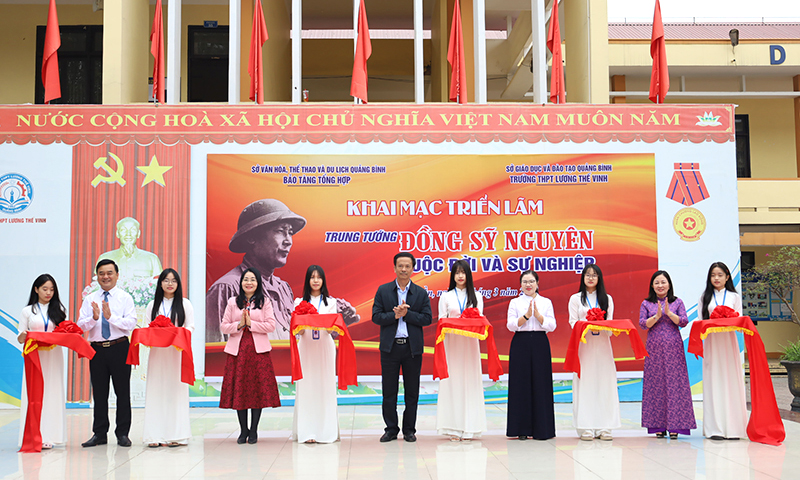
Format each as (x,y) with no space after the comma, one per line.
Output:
(506,187)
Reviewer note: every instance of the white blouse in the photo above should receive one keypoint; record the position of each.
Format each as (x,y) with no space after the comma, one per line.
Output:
(724,297)
(38,321)
(453,302)
(319,304)
(519,307)
(578,311)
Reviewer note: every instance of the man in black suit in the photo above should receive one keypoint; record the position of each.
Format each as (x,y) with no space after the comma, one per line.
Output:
(401,308)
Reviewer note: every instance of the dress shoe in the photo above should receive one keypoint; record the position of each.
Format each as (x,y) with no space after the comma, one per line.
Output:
(388,437)
(409,437)
(253,437)
(94,441)
(123,441)
(242,438)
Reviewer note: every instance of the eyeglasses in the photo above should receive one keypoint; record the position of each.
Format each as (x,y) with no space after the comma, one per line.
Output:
(529,282)
(169,281)
(590,275)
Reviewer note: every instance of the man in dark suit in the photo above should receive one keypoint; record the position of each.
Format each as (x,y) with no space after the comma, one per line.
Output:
(401,308)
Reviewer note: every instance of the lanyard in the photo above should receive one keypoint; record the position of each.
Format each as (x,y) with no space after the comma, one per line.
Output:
(724,296)
(596,302)
(460,306)
(45,316)
(164,310)
(319,303)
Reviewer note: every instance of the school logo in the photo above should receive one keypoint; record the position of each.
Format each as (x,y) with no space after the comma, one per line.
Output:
(16,193)
(689,224)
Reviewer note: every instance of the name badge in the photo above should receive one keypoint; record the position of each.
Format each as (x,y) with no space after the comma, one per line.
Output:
(315,334)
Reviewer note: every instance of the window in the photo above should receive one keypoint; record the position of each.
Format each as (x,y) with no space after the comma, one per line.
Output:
(208,64)
(742,146)
(80,64)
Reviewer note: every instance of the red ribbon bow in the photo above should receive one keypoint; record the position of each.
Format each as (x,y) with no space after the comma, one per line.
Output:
(467,325)
(34,381)
(723,311)
(765,425)
(164,336)
(161,321)
(67,326)
(471,313)
(595,314)
(572,361)
(305,308)
(346,361)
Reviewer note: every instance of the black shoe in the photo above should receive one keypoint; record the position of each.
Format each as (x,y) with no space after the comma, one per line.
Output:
(409,437)
(123,441)
(523,437)
(94,441)
(717,437)
(388,437)
(253,437)
(242,438)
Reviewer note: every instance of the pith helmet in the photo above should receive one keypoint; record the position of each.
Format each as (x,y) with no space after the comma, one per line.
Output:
(260,213)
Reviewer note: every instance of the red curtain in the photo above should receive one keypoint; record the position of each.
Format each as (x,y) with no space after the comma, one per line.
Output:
(162,212)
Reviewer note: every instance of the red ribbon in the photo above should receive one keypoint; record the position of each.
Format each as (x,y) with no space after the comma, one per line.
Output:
(765,425)
(572,362)
(163,337)
(34,381)
(468,326)
(345,364)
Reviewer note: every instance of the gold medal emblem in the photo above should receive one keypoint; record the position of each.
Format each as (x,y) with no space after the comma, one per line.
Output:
(689,224)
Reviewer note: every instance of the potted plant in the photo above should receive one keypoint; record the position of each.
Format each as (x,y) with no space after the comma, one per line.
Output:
(791,361)
(781,274)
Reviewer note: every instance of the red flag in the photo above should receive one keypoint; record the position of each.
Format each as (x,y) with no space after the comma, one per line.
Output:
(455,57)
(157,49)
(659,77)
(558,94)
(358,85)
(52,42)
(256,65)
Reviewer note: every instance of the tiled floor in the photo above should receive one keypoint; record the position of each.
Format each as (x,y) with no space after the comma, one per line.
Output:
(213,452)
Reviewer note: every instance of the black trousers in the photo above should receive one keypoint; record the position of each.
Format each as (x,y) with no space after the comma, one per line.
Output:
(391,362)
(109,364)
(530,387)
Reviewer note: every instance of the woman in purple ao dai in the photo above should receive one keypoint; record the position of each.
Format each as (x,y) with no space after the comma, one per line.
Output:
(666,395)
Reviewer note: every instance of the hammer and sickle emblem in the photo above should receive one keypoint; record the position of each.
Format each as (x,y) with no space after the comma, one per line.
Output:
(114,175)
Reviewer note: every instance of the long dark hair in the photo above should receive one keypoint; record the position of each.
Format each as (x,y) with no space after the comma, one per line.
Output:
(652,297)
(463,265)
(602,296)
(258,295)
(177,313)
(307,285)
(55,309)
(709,292)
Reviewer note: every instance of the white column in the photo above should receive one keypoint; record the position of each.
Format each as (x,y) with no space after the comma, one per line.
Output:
(173,82)
(419,57)
(479,28)
(539,50)
(234,51)
(297,50)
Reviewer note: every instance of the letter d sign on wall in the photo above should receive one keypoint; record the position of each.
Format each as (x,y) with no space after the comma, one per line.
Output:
(777,55)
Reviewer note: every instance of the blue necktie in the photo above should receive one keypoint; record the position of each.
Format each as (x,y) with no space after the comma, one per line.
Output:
(105,325)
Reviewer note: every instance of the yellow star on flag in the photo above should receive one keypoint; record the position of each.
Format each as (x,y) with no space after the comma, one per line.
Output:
(153,172)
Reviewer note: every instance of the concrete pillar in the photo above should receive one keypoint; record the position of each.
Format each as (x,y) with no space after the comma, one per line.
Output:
(796,82)
(440,27)
(126,50)
(277,51)
(586,38)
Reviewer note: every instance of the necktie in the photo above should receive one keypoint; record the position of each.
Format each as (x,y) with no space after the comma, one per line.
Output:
(105,325)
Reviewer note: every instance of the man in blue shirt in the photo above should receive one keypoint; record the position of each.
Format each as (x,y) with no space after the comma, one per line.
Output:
(401,308)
